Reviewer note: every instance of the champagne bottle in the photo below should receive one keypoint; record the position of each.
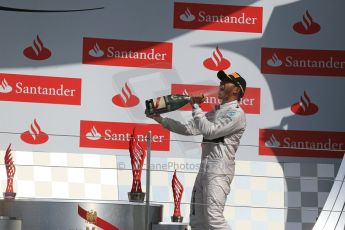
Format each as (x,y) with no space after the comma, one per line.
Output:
(166,103)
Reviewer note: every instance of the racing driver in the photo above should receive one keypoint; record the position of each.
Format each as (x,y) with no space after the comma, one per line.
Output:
(222,129)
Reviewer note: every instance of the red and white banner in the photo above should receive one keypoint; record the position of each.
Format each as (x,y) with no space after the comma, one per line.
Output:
(127,56)
(114,52)
(40,89)
(116,135)
(301,143)
(250,103)
(217,17)
(91,217)
(303,62)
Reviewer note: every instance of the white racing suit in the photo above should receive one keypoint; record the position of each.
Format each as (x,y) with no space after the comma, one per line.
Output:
(222,129)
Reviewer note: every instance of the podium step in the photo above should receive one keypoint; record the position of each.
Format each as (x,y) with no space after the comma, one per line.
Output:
(39,214)
(170,226)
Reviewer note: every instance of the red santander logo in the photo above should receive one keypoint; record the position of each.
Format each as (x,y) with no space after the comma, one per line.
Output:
(37,51)
(34,135)
(307,25)
(274,142)
(115,135)
(40,89)
(114,52)
(304,107)
(303,62)
(217,17)
(217,61)
(250,103)
(93,134)
(96,51)
(126,98)
(5,87)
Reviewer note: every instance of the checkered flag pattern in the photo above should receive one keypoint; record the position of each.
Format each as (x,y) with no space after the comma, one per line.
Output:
(264,195)
(307,189)
(63,176)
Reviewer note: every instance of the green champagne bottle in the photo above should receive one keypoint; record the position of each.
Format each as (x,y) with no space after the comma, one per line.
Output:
(166,103)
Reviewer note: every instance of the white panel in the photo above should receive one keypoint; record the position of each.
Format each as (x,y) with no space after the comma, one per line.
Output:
(341,221)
